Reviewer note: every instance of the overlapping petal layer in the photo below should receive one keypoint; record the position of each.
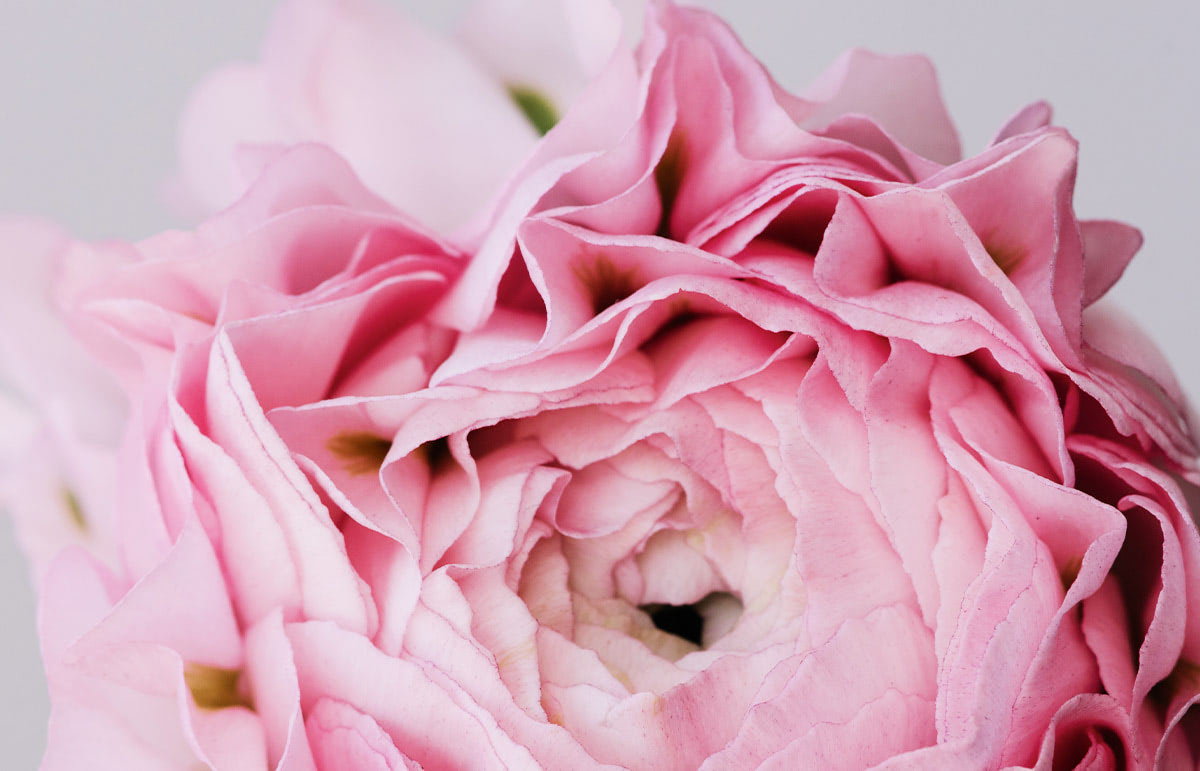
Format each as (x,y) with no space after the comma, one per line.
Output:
(750,430)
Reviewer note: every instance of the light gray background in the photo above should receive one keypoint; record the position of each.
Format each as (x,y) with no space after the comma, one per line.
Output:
(90,91)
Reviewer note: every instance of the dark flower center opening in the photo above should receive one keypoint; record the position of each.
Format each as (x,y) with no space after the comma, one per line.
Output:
(680,620)
(689,621)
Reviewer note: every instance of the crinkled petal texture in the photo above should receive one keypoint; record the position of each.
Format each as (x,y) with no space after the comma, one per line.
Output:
(321,289)
(755,431)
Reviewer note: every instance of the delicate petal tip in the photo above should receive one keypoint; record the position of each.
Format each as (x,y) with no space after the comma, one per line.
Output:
(900,92)
(1032,117)
(1108,246)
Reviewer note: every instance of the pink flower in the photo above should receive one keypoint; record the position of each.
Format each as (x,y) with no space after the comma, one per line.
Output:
(750,430)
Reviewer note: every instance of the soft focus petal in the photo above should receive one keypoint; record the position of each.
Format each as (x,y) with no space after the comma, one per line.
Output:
(357,76)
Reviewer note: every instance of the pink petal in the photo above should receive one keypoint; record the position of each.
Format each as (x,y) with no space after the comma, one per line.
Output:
(1108,247)
(900,92)
(276,695)
(550,46)
(344,738)
(329,588)
(1034,116)
(357,76)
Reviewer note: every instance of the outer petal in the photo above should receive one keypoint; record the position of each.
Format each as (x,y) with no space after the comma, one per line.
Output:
(61,412)
(900,92)
(169,652)
(355,75)
(552,47)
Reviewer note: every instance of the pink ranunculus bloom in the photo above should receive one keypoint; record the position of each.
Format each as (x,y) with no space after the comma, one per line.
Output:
(753,431)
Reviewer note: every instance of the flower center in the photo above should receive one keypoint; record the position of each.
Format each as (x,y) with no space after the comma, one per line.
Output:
(680,620)
(701,622)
